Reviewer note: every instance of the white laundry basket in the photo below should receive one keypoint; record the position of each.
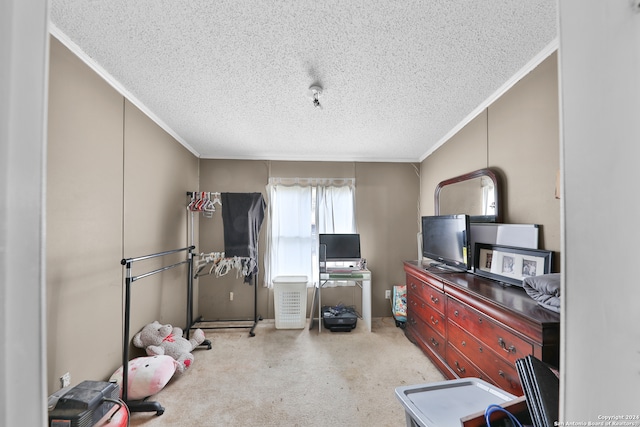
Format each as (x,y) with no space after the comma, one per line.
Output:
(290,301)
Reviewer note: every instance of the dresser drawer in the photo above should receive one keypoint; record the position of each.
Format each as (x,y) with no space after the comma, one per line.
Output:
(430,315)
(505,343)
(462,366)
(500,372)
(429,336)
(505,377)
(426,279)
(432,296)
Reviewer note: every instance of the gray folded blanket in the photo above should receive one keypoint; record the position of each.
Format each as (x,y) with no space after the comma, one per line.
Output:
(545,289)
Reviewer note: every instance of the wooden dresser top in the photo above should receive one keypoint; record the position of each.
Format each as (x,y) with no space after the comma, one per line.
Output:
(511,298)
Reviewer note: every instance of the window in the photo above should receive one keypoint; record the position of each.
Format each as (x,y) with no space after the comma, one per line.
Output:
(299,210)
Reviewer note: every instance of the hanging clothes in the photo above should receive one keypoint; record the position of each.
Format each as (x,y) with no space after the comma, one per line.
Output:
(242,216)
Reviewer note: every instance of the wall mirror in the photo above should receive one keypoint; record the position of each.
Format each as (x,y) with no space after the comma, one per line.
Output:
(475,193)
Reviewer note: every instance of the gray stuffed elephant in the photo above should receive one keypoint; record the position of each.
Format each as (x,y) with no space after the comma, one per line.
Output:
(158,339)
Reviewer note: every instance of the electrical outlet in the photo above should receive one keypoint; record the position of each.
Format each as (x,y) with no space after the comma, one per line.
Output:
(65,380)
(230,296)
(387,294)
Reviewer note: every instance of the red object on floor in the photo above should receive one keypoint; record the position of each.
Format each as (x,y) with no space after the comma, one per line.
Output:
(120,418)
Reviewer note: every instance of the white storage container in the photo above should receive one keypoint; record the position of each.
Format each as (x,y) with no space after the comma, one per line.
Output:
(290,301)
(442,404)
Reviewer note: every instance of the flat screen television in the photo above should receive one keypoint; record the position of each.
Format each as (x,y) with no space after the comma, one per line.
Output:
(445,239)
(341,247)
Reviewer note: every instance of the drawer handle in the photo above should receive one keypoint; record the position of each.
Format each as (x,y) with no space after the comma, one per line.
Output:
(480,349)
(434,299)
(455,313)
(434,321)
(464,343)
(434,342)
(502,374)
(503,345)
(480,320)
(459,368)
(413,286)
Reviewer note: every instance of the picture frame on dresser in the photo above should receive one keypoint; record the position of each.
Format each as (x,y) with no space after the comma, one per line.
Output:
(510,265)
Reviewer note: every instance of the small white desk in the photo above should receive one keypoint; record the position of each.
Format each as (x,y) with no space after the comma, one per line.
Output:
(362,279)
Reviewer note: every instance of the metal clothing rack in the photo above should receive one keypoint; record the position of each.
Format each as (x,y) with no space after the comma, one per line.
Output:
(198,323)
(143,405)
(256,317)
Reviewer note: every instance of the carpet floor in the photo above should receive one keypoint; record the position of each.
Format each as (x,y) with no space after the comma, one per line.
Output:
(294,377)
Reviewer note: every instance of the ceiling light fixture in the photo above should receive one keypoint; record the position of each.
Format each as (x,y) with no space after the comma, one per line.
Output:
(314,92)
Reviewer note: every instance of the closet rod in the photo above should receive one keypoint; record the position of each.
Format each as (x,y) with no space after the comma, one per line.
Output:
(142,276)
(126,261)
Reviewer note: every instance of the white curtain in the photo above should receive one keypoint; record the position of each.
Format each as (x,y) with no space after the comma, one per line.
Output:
(300,209)
(336,208)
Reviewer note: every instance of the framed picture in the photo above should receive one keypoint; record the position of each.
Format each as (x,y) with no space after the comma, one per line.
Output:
(508,264)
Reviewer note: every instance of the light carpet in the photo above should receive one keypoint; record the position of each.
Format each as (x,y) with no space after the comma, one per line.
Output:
(295,377)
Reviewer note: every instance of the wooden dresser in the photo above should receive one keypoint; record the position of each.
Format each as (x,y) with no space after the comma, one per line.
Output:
(470,326)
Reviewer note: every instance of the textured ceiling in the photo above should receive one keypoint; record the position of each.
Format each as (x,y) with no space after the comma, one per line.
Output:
(231,78)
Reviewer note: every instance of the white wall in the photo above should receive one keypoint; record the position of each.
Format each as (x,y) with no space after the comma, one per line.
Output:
(600,116)
(23,65)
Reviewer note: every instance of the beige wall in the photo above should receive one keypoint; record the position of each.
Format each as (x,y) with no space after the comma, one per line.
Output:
(524,145)
(387,210)
(84,221)
(387,215)
(465,152)
(116,187)
(518,136)
(158,172)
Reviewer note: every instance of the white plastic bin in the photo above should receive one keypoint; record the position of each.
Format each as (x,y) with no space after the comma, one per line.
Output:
(442,404)
(290,301)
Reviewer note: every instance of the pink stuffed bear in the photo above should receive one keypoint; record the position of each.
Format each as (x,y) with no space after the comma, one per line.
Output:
(159,339)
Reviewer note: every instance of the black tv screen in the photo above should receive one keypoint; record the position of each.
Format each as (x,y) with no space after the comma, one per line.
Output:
(341,247)
(445,239)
